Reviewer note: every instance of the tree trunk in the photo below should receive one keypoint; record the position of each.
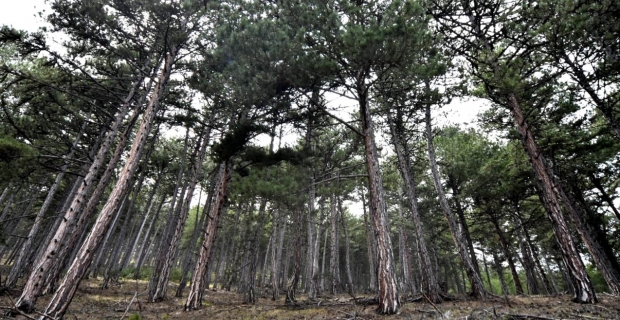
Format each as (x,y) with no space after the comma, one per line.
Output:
(334,264)
(507,253)
(276,253)
(292,285)
(146,244)
(595,240)
(372,251)
(347,249)
(430,281)
(34,283)
(61,300)
(18,265)
(551,198)
(194,297)
(528,266)
(477,287)
(159,292)
(389,301)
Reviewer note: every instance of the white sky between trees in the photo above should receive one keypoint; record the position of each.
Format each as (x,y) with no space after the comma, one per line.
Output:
(25,15)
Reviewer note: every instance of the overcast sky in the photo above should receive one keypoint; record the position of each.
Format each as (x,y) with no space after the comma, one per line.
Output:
(24,15)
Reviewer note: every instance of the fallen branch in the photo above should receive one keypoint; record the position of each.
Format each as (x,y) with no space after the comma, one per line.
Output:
(129,305)
(432,304)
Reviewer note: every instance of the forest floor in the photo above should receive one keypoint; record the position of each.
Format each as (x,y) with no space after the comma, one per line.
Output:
(126,300)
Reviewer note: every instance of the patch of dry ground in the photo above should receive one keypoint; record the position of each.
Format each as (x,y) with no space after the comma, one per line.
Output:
(118,302)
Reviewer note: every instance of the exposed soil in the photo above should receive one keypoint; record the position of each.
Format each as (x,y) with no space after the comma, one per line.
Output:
(118,302)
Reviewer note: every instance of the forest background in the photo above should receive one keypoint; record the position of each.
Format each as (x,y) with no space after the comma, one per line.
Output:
(310,149)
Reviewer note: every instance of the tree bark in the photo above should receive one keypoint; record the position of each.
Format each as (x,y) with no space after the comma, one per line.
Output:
(477,287)
(334,264)
(159,293)
(584,291)
(194,297)
(18,264)
(41,268)
(389,302)
(292,284)
(61,300)
(347,249)
(430,281)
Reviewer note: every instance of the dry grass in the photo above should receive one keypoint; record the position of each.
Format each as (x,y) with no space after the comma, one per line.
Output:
(91,302)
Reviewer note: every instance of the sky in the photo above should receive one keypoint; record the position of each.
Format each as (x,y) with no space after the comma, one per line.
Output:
(24,15)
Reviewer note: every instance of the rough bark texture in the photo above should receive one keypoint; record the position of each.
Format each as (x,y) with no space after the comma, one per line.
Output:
(477,286)
(34,284)
(389,302)
(18,264)
(194,296)
(61,300)
(584,291)
(430,281)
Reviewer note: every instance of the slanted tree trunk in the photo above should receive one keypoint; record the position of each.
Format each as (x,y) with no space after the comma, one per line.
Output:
(146,244)
(18,264)
(477,286)
(389,302)
(507,253)
(551,191)
(194,296)
(61,300)
(430,281)
(159,292)
(528,265)
(34,284)
(533,251)
(595,240)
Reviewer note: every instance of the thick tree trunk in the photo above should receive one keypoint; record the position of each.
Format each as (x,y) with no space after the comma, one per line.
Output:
(430,281)
(194,297)
(389,302)
(41,268)
(61,300)
(551,198)
(477,287)
(595,240)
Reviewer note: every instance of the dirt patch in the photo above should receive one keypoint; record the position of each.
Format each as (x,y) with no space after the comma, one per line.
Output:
(128,299)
